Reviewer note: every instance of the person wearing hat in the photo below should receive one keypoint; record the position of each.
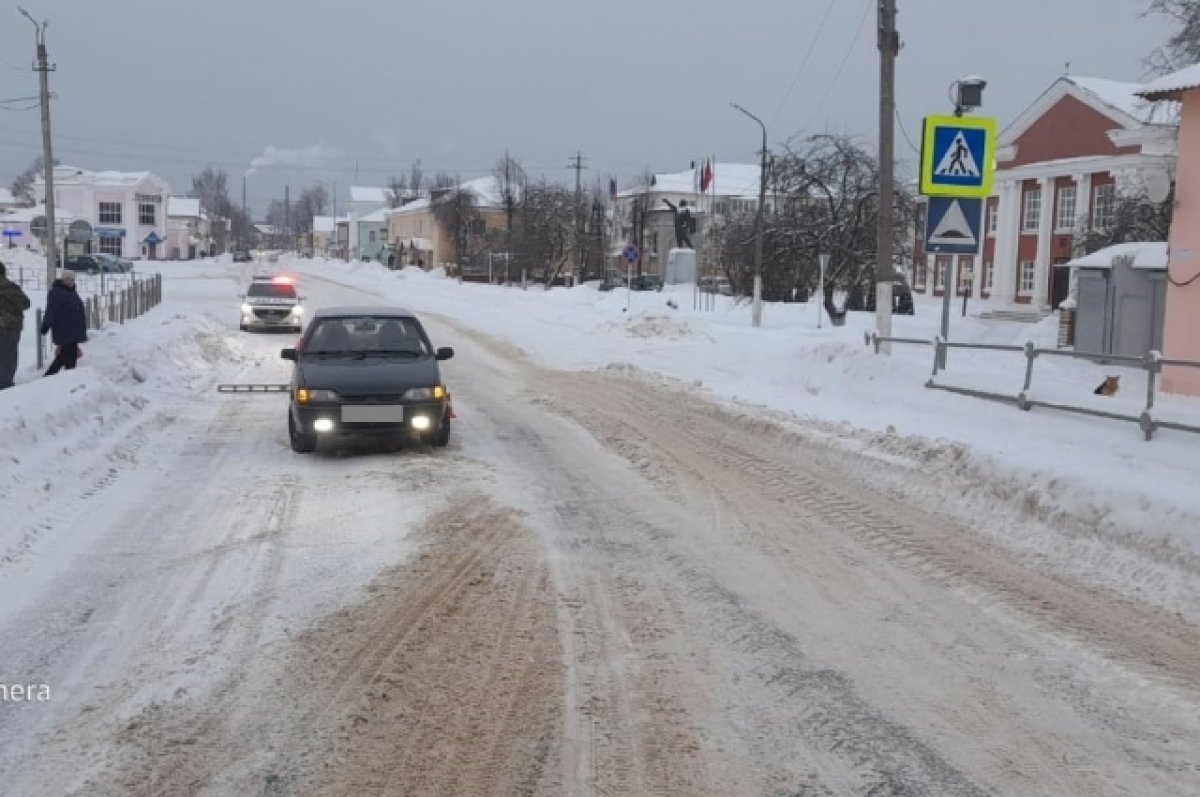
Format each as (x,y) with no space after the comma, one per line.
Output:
(13,304)
(66,318)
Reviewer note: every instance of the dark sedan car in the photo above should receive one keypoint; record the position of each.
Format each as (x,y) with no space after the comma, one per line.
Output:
(366,372)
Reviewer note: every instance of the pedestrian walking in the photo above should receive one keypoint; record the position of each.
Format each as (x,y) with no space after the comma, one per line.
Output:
(66,318)
(13,304)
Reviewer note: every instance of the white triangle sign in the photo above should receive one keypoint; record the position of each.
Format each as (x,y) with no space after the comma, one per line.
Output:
(958,160)
(953,229)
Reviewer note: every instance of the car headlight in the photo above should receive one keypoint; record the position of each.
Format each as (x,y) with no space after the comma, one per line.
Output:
(307,396)
(297,310)
(247,309)
(436,393)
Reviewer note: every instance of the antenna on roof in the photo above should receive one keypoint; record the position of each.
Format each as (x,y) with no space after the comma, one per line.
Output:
(1067,69)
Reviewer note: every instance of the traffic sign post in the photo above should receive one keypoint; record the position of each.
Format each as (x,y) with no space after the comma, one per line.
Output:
(958,156)
(630,254)
(958,164)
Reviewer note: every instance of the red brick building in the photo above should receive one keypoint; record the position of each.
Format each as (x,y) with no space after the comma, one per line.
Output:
(1059,167)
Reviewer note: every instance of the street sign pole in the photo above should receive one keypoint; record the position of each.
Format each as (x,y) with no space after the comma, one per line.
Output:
(947,294)
(824,265)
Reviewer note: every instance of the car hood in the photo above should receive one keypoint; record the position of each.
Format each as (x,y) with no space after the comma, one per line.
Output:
(373,374)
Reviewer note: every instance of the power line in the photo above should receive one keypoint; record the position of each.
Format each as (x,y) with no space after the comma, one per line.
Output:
(841,67)
(804,62)
(916,150)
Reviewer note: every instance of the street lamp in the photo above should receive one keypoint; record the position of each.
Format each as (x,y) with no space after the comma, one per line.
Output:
(756,312)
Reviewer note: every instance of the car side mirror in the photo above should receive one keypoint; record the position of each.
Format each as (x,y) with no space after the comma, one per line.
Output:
(445,353)
(288,354)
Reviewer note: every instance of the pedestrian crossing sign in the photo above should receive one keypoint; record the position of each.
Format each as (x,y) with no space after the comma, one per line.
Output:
(958,156)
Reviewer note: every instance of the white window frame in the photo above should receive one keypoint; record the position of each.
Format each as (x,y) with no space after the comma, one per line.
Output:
(1031,210)
(153,214)
(1108,205)
(1026,278)
(110,246)
(1064,211)
(993,213)
(921,275)
(939,271)
(109,212)
(989,276)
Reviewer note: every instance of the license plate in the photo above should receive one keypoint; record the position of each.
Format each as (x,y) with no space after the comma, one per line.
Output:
(380,413)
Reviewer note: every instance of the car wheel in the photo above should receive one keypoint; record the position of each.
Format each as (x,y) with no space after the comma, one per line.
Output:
(242,327)
(301,443)
(441,438)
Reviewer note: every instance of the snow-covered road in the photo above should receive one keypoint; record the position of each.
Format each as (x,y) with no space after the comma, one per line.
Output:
(606,585)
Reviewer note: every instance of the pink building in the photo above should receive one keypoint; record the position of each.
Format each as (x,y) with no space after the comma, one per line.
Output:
(1181,336)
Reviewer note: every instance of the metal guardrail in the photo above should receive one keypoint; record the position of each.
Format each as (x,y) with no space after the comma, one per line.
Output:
(1152,363)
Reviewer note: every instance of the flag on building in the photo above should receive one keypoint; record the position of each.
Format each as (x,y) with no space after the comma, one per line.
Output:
(706,177)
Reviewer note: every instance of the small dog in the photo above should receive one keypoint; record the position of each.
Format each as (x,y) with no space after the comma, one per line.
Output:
(1109,386)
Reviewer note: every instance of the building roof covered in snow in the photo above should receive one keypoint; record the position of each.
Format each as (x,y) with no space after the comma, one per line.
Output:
(1150,255)
(1119,95)
(26,215)
(326,224)
(375,217)
(66,174)
(1172,86)
(369,194)
(6,197)
(729,180)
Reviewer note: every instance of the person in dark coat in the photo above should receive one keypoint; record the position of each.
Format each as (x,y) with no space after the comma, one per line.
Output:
(13,304)
(66,318)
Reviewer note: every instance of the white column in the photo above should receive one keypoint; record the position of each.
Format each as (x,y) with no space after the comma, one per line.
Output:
(1083,197)
(1083,207)
(1041,296)
(1008,230)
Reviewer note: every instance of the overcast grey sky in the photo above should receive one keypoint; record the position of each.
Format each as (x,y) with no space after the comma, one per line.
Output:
(169,86)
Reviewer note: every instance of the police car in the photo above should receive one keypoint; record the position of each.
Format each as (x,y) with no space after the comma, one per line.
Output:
(271,302)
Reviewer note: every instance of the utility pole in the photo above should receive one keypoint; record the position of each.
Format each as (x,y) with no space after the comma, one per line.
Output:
(889,48)
(756,311)
(43,67)
(244,243)
(287,213)
(577,165)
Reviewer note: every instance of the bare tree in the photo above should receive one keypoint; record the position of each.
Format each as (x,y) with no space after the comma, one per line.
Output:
(544,230)
(457,215)
(211,186)
(397,190)
(829,204)
(22,185)
(1183,48)
(313,201)
(1134,219)
(510,177)
(416,178)
(444,180)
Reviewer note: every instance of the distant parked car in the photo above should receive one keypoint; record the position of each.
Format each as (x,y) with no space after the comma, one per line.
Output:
(92,264)
(612,281)
(647,282)
(242,256)
(111,264)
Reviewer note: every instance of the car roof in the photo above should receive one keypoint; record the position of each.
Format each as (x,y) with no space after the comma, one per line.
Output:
(385,311)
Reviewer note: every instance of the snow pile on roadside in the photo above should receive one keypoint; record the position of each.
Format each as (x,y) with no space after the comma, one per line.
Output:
(1097,470)
(61,431)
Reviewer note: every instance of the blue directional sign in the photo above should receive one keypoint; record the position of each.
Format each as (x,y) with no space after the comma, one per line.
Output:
(953,226)
(630,254)
(958,156)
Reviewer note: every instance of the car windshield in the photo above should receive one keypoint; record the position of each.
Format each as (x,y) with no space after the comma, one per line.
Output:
(272,289)
(367,335)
